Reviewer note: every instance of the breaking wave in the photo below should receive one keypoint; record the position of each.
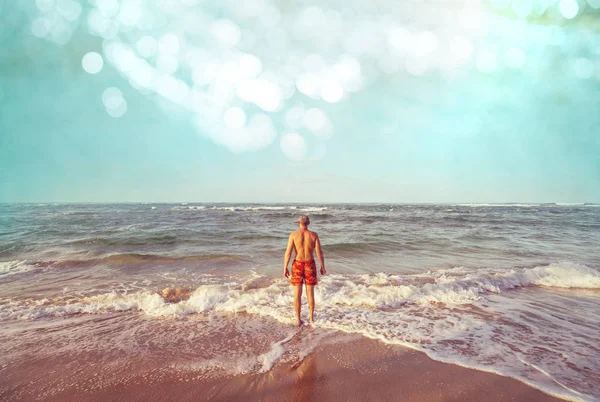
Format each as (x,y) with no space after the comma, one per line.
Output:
(263,296)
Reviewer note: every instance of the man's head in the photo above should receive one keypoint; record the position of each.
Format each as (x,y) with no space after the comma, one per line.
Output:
(303,221)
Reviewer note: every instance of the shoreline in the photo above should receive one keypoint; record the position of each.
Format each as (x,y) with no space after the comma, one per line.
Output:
(358,369)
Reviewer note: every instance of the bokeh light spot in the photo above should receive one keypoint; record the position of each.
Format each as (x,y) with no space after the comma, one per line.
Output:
(486,62)
(293,146)
(522,7)
(332,91)
(131,12)
(293,117)
(146,46)
(398,39)
(271,16)
(316,121)
(583,68)
(250,66)
(234,117)
(118,111)
(168,44)
(568,8)
(461,49)
(41,27)
(69,9)
(263,93)
(113,100)
(92,63)
(313,63)
(167,64)
(109,8)
(60,33)
(426,42)
(44,5)
(226,32)
(515,57)
(308,84)
(112,97)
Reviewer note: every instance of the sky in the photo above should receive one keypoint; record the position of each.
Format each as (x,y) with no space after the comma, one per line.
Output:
(363,101)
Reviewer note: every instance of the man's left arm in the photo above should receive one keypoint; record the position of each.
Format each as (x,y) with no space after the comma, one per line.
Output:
(288,256)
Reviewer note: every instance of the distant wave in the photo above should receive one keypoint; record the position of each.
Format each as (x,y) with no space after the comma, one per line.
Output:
(313,209)
(240,208)
(499,205)
(189,207)
(527,205)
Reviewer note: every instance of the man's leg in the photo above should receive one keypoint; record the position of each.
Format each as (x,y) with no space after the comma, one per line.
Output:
(310,293)
(297,302)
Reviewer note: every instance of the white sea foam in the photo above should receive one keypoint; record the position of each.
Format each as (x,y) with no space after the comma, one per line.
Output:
(294,347)
(313,209)
(231,209)
(14,267)
(189,207)
(269,358)
(264,208)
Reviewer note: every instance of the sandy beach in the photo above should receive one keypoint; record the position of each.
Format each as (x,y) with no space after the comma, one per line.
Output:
(348,368)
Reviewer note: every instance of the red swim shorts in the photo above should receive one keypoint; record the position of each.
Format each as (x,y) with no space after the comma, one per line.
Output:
(304,272)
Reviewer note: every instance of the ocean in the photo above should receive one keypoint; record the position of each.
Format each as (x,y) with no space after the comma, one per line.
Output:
(512,289)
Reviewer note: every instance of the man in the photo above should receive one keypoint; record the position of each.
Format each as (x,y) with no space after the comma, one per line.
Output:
(304,269)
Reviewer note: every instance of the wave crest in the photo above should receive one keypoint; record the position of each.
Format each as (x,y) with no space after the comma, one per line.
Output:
(259,295)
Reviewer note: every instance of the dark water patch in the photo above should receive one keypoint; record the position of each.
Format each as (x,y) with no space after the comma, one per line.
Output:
(136,259)
(128,240)
(363,247)
(256,237)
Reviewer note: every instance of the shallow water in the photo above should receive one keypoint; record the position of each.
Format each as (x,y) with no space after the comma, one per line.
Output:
(513,289)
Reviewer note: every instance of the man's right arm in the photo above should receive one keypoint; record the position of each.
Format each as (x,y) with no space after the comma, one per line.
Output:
(320,255)
(288,256)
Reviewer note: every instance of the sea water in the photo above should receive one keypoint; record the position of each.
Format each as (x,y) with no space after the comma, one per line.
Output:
(507,288)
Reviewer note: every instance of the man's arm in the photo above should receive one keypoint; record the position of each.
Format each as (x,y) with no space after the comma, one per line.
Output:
(288,256)
(320,255)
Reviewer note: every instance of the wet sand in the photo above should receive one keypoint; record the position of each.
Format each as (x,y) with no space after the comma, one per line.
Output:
(356,369)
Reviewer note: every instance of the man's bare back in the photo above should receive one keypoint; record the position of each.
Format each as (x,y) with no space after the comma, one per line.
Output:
(304,271)
(304,244)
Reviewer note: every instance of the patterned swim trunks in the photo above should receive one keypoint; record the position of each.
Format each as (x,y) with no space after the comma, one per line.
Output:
(304,271)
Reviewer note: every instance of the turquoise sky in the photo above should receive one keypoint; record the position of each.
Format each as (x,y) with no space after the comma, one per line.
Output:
(499,104)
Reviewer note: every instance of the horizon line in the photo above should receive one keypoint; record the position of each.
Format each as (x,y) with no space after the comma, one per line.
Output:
(308,202)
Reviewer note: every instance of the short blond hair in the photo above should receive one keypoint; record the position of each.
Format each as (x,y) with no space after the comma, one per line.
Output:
(304,220)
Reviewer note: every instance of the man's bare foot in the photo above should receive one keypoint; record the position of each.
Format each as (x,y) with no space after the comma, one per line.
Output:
(300,323)
(312,321)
